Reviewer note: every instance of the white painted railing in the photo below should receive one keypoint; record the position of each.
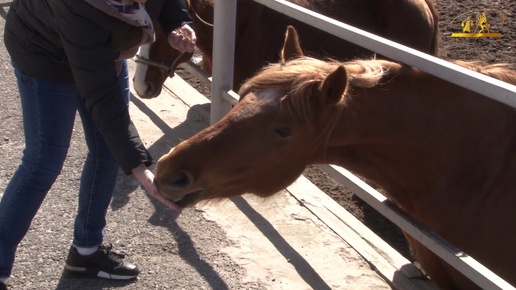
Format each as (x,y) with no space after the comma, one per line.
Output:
(223,97)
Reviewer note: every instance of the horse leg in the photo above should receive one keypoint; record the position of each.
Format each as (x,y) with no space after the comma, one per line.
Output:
(440,272)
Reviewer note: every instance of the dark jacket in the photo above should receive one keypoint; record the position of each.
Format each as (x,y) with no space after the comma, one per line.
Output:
(73,41)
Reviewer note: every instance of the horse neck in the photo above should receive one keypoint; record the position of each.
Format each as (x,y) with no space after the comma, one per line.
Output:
(202,13)
(419,135)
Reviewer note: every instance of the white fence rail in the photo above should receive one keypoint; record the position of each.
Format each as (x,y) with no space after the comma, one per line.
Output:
(223,97)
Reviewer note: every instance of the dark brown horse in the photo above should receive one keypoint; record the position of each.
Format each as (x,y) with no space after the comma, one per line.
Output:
(151,72)
(259,35)
(444,154)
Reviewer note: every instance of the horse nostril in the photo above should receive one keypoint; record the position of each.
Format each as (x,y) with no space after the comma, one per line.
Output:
(149,88)
(182,180)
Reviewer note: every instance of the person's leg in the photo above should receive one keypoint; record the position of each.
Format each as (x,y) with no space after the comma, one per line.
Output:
(48,117)
(98,180)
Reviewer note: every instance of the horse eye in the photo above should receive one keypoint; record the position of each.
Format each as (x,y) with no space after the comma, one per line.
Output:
(283,132)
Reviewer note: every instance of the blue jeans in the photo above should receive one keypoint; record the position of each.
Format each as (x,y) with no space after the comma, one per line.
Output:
(49,110)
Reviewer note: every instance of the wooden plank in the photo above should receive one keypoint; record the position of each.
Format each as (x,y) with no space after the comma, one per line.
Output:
(190,96)
(388,262)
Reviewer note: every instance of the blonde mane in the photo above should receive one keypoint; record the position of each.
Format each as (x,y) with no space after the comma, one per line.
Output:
(499,71)
(296,75)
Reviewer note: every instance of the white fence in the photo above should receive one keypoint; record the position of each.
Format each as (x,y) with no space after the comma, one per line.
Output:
(223,98)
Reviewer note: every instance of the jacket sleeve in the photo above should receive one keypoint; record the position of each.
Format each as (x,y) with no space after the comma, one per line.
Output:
(92,61)
(172,15)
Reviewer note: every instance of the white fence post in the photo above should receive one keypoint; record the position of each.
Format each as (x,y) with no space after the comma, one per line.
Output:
(223,56)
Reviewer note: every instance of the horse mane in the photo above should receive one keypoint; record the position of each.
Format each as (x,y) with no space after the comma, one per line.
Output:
(298,75)
(498,71)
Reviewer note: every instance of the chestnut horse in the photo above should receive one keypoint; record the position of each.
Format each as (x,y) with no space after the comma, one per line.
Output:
(442,153)
(260,31)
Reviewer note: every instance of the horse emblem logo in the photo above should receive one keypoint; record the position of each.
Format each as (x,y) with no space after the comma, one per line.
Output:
(479,23)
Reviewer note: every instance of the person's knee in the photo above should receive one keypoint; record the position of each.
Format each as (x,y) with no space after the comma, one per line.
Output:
(43,170)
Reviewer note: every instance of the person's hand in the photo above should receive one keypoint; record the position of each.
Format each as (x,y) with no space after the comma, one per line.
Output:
(146,178)
(183,38)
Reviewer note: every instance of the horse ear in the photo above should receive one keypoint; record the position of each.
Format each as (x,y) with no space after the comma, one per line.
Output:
(291,47)
(334,86)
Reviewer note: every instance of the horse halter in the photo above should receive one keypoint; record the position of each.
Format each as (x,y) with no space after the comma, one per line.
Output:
(198,17)
(164,68)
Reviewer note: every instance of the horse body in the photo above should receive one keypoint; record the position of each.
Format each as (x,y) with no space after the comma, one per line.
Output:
(259,33)
(442,153)
(448,165)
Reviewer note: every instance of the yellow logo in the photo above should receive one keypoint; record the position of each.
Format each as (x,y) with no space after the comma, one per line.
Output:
(479,24)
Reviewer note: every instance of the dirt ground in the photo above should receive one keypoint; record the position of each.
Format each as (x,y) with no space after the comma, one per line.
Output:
(490,50)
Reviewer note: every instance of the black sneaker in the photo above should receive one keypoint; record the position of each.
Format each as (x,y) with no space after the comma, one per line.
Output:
(104,263)
(3,286)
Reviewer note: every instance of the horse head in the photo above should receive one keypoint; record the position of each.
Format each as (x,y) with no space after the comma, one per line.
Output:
(158,61)
(265,142)
(155,63)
